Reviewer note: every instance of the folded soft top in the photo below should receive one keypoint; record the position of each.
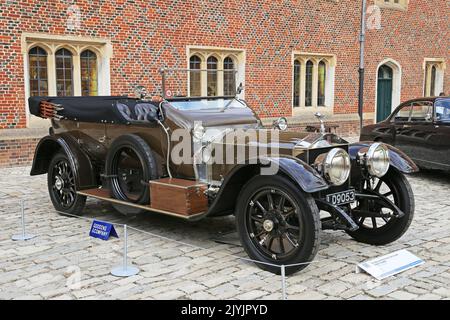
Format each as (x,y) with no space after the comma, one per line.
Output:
(100,109)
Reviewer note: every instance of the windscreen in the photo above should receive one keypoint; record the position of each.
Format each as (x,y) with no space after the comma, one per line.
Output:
(442,107)
(206,104)
(196,82)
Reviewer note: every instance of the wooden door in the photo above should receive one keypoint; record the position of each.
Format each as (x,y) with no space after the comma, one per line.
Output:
(384,95)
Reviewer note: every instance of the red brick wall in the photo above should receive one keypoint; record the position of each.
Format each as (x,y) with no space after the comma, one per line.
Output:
(149,34)
(17,152)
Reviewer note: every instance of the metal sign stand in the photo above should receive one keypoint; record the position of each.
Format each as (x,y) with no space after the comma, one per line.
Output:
(24,236)
(125,270)
(283,283)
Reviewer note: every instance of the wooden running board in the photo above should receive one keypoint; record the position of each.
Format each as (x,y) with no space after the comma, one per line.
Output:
(104,194)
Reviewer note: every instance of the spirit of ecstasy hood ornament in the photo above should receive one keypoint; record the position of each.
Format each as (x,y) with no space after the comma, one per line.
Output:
(320,117)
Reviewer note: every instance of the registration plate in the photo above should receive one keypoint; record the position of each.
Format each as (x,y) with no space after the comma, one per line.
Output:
(343,197)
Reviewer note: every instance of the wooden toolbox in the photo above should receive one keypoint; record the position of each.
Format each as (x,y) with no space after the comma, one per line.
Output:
(180,196)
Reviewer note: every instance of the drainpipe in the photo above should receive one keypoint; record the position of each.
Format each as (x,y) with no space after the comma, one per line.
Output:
(362,39)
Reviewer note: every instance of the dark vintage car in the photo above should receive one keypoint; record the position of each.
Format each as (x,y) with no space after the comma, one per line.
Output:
(127,151)
(420,128)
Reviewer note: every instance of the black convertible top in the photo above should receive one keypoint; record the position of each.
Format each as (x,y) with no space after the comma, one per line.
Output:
(100,109)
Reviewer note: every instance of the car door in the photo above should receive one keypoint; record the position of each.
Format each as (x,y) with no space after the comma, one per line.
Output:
(401,126)
(418,133)
(436,153)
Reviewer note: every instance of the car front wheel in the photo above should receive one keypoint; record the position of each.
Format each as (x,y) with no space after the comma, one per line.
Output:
(381,226)
(278,224)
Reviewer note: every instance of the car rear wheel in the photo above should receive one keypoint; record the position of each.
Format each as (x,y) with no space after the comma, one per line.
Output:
(386,228)
(62,187)
(130,165)
(278,224)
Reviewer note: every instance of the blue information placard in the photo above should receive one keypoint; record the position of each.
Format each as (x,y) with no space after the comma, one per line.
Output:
(102,230)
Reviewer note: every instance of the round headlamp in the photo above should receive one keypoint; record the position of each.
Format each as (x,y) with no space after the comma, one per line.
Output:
(280,124)
(336,166)
(206,154)
(198,131)
(378,161)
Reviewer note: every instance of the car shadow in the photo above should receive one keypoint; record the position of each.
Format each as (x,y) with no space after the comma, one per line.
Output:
(439,176)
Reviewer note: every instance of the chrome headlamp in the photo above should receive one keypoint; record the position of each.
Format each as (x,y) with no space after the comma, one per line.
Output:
(280,124)
(335,166)
(207,154)
(198,132)
(377,160)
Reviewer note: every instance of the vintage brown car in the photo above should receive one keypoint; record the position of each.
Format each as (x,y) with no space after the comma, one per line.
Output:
(123,150)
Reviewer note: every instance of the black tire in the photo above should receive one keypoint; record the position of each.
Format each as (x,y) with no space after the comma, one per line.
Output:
(300,213)
(393,228)
(130,153)
(62,187)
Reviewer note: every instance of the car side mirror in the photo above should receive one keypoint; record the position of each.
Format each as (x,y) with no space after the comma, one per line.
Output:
(140,92)
(428,117)
(240,88)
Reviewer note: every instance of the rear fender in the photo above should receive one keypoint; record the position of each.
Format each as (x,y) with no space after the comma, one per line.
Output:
(50,145)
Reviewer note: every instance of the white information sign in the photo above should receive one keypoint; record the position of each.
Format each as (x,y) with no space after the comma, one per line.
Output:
(390,264)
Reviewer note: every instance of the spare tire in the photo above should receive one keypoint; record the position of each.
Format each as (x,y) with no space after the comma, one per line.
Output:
(130,165)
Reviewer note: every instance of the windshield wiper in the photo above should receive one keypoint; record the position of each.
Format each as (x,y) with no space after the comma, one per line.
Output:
(227,105)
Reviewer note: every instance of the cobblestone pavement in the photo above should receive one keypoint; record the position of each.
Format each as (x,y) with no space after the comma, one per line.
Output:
(63,262)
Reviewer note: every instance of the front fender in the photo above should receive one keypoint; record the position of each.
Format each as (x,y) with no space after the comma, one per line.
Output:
(398,159)
(308,179)
(298,171)
(50,145)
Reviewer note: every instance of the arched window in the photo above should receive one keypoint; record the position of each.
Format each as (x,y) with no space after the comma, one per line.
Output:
(195,84)
(296,83)
(211,81)
(64,72)
(229,77)
(385,72)
(308,82)
(322,71)
(89,78)
(38,72)
(433,81)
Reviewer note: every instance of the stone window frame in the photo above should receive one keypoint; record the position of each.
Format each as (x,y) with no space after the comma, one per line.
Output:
(440,65)
(315,58)
(393,4)
(76,45)
(204,52)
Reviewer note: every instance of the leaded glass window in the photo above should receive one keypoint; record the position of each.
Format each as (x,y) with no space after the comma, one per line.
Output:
(89,73)
(211,76)
(195,85)
(64,72)
(38,72)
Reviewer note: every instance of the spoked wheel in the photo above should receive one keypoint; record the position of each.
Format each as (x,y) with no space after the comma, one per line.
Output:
(277,223)
(130,165)
(376,219)
(128,182)
(62,187)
